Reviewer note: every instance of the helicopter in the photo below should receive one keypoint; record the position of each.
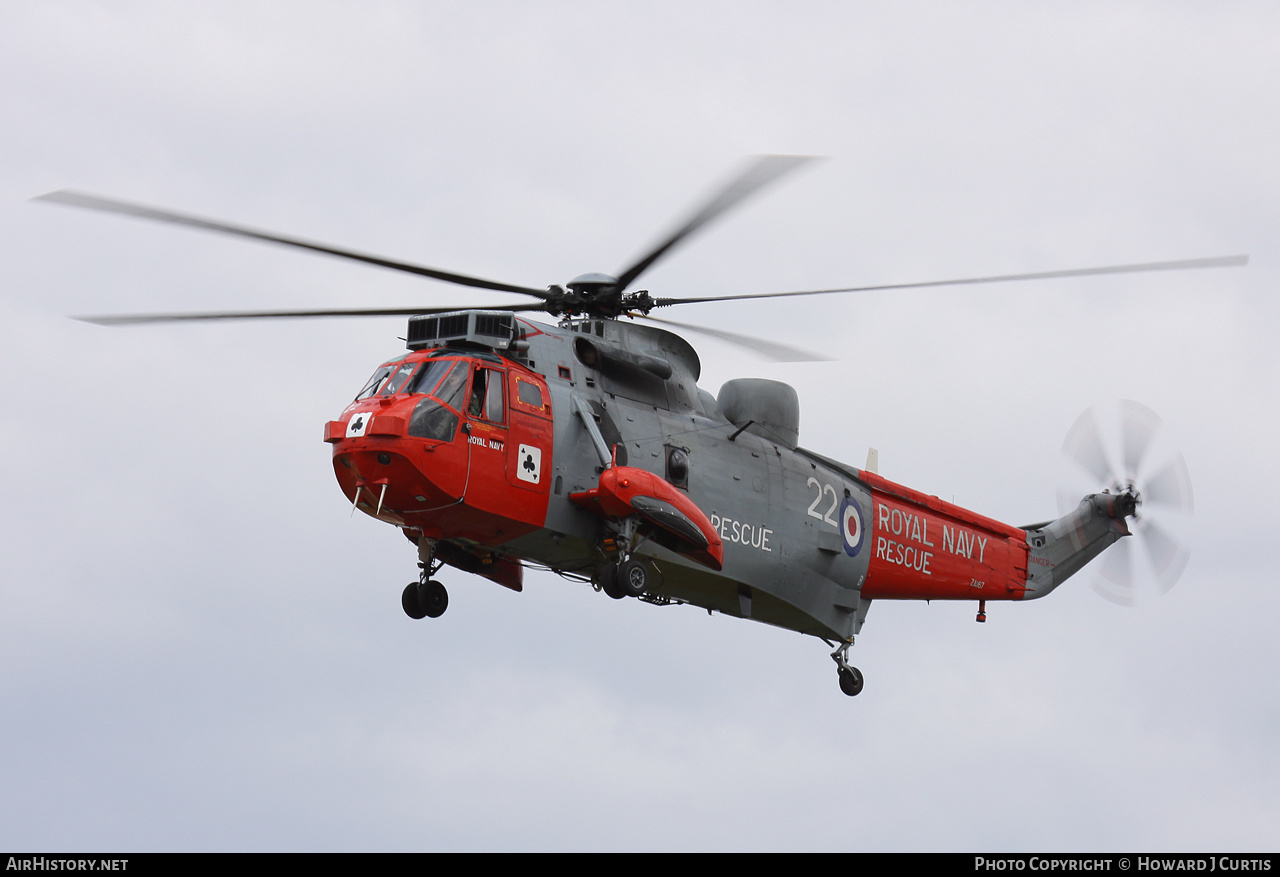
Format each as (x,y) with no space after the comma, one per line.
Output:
(585,447)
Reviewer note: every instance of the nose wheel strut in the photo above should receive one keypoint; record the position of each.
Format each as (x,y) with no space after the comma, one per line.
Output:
(425,598)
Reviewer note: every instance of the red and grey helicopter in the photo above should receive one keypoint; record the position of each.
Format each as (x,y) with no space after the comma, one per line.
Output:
(586,447)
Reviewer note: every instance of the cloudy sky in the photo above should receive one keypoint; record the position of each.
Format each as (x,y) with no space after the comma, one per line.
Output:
(201,650)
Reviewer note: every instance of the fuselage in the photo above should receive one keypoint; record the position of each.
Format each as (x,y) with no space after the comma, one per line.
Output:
(481,451)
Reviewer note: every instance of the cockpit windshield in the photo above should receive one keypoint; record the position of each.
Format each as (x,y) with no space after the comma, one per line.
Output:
(396,383)
(454,386)
(371,386)
(429,375)
(443,383)
(443,378)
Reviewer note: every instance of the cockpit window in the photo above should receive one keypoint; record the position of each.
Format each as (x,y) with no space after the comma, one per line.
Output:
(454,385)
(429,375)
(430,420)
(401,377)
(476,405)
(444,382)
(371,386)
(486,395)
(494,409)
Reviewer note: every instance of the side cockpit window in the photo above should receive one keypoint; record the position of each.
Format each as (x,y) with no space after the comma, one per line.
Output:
(486,396)
(476,405)
(495,409)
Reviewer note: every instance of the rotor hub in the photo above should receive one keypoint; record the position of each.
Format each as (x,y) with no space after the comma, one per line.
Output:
(593,284)
(597,295)
(1128,500)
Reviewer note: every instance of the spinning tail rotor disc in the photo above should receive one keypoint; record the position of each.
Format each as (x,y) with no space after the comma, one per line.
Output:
(1121,449)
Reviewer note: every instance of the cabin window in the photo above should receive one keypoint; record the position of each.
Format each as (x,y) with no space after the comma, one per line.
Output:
(529,393)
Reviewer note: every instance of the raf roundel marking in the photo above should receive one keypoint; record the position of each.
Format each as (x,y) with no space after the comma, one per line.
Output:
(851,526)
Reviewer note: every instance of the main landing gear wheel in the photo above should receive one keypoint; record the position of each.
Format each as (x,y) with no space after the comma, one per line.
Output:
(850,681)
(433,598)
(609,582)
(633,578)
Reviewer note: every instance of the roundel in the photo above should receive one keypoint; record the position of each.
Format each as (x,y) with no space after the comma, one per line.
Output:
(851,526)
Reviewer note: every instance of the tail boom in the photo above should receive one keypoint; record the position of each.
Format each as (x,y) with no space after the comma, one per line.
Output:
(923,548)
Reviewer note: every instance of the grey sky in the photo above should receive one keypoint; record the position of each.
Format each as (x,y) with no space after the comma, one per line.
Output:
(201,650)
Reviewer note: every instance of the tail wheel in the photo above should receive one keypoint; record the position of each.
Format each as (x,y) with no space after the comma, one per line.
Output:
(851,681)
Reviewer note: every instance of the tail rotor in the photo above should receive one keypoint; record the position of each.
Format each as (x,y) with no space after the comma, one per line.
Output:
(1123,450)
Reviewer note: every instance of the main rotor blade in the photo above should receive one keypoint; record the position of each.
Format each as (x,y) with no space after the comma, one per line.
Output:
(768,349)
(124,208)
(1143,267)
(136,319)
(763,171)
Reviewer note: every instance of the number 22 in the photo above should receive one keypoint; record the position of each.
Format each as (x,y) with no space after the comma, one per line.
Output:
(813,506)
